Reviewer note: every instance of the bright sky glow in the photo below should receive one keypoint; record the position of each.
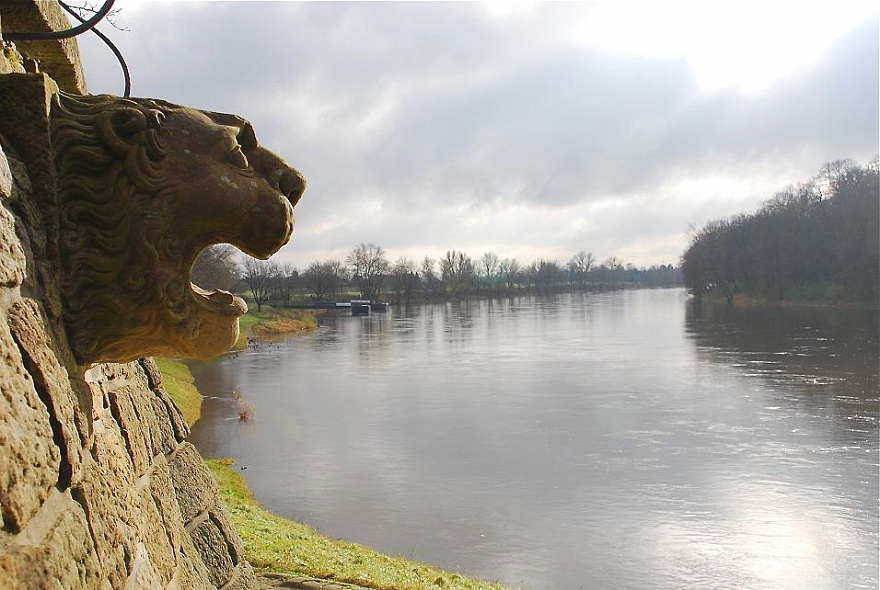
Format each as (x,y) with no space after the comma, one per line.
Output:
(726,46)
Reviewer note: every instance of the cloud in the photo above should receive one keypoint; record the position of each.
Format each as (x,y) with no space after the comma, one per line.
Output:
(424,127)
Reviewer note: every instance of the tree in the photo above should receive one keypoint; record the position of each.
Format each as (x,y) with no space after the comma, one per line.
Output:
(216,268)
(547,274)
(579,267)
(285,282)
(430,283)
(821,237)
(404,279)
(322,279)
(368,267)
(259,276)
(456,273)
(489,262)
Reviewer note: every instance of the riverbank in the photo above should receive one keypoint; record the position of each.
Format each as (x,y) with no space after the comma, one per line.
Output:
(805,297)
(271,323)
(275,544)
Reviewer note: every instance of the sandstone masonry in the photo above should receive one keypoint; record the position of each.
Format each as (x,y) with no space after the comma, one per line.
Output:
(98,487)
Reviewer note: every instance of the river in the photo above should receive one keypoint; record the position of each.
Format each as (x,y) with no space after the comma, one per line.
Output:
(627,440)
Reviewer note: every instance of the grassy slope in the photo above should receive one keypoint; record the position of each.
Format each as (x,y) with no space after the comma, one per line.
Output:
(270,322)
(178,381)
(277,544)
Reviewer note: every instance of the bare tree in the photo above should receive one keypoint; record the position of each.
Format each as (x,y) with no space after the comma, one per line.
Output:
(259,276)
(404,279)
(322,279)
(488,268)
(216,268)
(368,267)
(430,282)
(285,282)
(508,268)
(579,267)
(457,272)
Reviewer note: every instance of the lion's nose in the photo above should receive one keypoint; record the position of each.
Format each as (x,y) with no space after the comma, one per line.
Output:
(292,185)
(286,180)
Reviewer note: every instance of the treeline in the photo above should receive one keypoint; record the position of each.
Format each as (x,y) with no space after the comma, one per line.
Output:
(367,273)
(818,239)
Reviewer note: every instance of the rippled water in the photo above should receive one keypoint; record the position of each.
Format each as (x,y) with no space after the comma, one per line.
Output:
(615,441)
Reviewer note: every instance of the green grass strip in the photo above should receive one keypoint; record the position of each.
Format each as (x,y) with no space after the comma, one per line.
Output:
(276,544)
(178,382)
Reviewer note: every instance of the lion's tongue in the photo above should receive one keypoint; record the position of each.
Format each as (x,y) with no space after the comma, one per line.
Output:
(222,302)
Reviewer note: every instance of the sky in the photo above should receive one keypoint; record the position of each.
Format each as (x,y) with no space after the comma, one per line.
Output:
(528,129)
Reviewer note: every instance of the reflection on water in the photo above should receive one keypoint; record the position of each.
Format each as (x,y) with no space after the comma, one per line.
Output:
(626,440)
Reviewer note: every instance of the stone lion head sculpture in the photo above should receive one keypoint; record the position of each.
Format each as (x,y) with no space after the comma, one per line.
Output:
(143,187)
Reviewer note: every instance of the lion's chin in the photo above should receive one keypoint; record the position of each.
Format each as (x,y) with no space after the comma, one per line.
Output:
(218,313)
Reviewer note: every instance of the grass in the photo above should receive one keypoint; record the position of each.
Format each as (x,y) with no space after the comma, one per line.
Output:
(178,382)
(271,323)
(276,544)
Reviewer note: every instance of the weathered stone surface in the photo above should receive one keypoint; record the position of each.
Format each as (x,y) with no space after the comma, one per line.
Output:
(29,460)
(24,123)
(152,536)
(133,410)
(96,482)
(54,551)
(5,177)
(243,578)
(154,381)
(143,574)
(210,542)
(192,573)
(59,58)
(106,501)
(195,487)
(12,260)
(181,180)
(142,418)
(234,545)
(67,414)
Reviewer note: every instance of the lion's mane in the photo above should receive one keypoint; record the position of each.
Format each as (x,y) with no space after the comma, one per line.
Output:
(115,246)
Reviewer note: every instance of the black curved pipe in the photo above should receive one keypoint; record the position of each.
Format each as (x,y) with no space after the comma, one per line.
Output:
(109,43)
(73,32)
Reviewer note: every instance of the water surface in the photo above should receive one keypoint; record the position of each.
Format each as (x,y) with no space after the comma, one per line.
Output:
(614,441)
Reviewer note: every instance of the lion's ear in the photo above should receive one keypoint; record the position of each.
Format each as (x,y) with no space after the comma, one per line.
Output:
(119,128)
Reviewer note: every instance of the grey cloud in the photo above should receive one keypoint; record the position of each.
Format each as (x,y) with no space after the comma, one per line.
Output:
(481,113)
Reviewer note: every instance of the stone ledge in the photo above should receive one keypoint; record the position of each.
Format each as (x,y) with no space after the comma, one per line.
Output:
(58,58)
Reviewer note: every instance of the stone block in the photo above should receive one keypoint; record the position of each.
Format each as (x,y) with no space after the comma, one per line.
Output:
(162,493)
(12,260)
(5,177)
(143,574)
(59,58)
(106,501)
(149,528)
(125,412)
(243,578)
(191,574)
(54,551)
(195,487)
(175,417)
(210,543)
(30,460)
(67,414)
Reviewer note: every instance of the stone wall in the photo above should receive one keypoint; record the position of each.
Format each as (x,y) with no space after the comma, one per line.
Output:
(98,487)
